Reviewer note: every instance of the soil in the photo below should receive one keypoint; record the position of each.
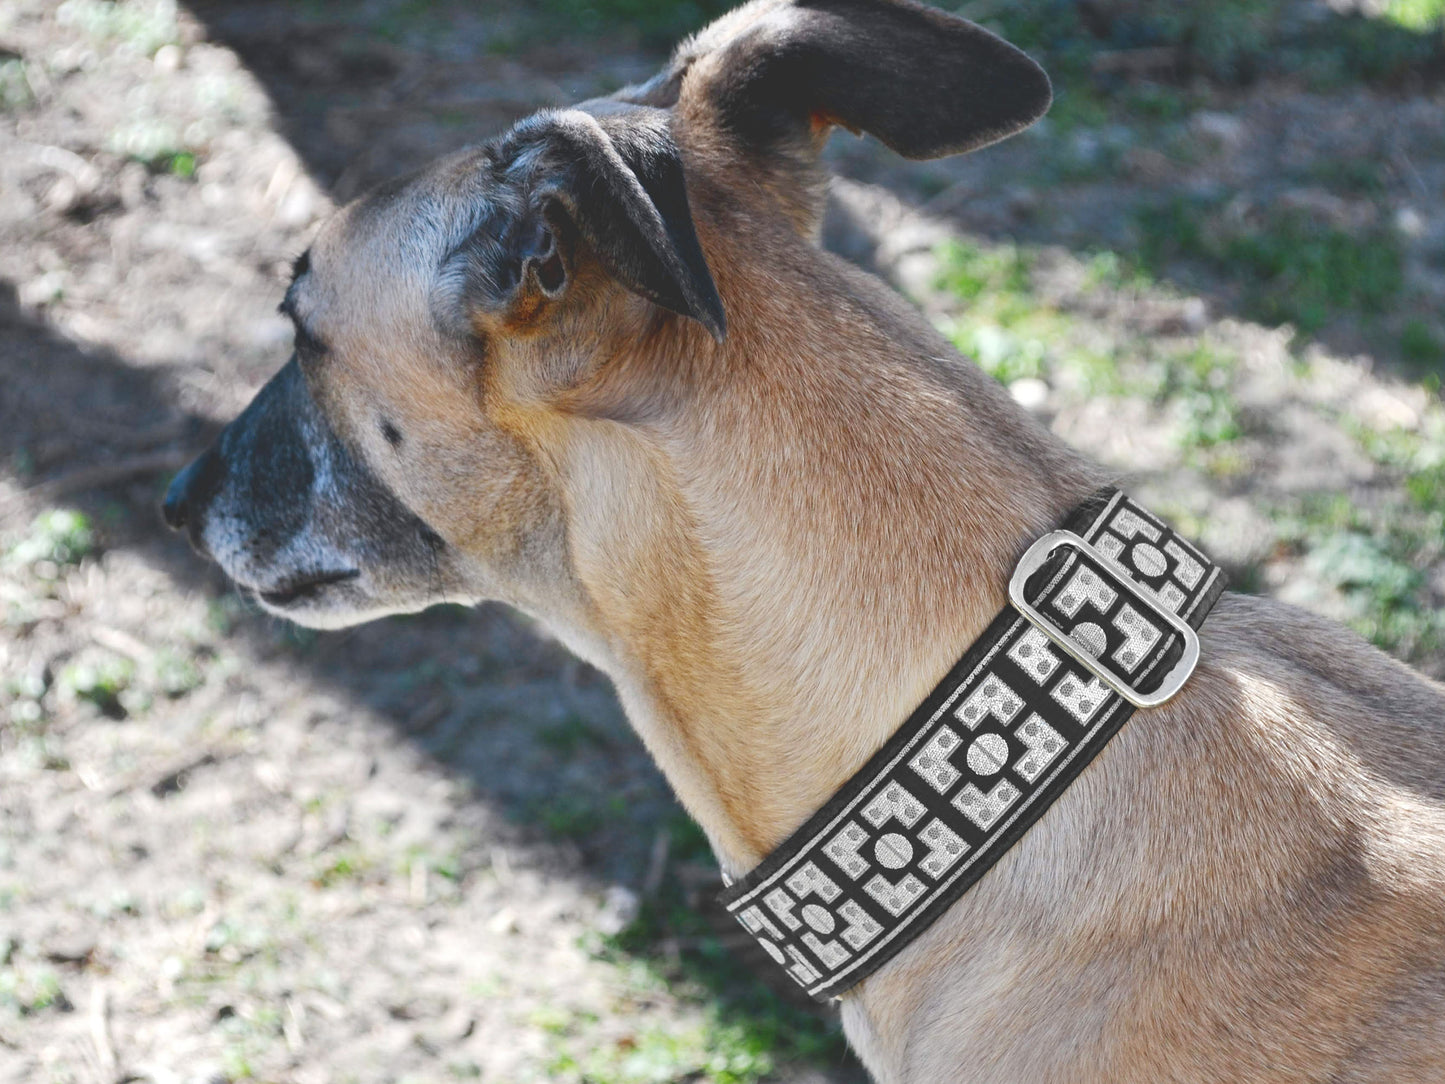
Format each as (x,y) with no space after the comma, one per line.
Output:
(230,849)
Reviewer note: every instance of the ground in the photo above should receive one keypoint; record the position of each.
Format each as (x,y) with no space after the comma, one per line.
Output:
(430,848)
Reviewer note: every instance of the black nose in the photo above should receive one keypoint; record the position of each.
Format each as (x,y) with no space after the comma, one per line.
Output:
(191,490)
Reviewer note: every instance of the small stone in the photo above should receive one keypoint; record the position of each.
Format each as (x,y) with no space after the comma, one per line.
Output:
(74,949)
(1023,202)
(1029,392)
(619,908)
(43,290)
(1194,314)
(1318,204)
(168,59)
(1410,223)
(1224,130)
(503,922)
(63,194)
(1147,164)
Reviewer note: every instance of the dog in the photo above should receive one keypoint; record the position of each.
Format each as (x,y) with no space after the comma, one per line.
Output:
(600,368)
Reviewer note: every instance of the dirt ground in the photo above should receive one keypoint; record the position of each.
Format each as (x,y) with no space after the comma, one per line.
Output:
(430,848)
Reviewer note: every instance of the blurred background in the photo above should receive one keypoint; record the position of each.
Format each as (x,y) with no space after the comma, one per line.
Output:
(430,848)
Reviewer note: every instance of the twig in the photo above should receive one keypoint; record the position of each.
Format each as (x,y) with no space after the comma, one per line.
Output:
(122,643)
(1412,174)
(657,866)
(172,778)
(1157,58)
(100,1033)
(102,474)
(291,1025)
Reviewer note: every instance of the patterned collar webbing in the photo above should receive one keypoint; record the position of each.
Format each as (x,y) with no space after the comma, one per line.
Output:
(991,748)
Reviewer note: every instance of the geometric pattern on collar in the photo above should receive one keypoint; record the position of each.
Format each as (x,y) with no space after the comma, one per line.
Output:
(985,755)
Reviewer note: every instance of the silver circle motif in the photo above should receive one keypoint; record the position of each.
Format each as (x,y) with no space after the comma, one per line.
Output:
(893,851)
(1090,637)
(773,951)
(988,754)
(1148,560)
(818,918)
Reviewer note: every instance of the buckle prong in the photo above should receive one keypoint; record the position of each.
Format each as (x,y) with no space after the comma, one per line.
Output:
(1035,558)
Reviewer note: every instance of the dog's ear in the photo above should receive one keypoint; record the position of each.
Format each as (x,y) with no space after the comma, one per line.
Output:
(924,82)
(615,182)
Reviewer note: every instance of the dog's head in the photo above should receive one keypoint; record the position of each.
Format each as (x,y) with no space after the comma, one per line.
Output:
(455,329)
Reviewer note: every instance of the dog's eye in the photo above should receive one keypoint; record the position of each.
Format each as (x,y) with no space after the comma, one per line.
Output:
(391,433)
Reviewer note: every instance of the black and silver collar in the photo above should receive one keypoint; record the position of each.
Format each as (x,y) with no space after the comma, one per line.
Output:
(1101,620)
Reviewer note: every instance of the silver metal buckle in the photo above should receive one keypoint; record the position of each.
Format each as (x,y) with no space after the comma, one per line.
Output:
(1035,558)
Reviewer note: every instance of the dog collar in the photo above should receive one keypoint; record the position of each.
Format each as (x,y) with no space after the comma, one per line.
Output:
(1101,620)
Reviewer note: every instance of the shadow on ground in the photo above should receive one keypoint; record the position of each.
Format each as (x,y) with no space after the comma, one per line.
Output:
(368,92)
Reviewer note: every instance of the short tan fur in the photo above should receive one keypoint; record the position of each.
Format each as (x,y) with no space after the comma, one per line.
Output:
(778,540)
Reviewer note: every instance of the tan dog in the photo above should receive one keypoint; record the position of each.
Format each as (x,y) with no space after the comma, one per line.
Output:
(599,368)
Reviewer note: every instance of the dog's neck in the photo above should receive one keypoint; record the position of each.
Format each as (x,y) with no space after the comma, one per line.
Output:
(783,566)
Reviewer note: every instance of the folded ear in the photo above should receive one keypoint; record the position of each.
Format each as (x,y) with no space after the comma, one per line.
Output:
(616,179)
(925,82)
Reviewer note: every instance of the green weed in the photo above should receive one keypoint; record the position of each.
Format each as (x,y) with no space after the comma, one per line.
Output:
(177,674)
(156,145)
(103,681)
(1001,324)
(1419,15)
(57,539)
(1420,344)
(15,92)
(1290,270)
(577,816)
(341,867)
(749,1028)
(570,735)
(1229,41)
(1198,383)
(25,993)
(141,26)
(713,1053)
(1356,176)
(658,21)
(1378,558)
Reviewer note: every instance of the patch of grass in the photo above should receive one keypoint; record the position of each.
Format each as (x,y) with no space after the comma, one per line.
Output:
(446,865)
(1420,345)
(1008,326)
(1198,382)
(1376,562)
(58,538)
(141,26)
(1001,324)
(577,816)
(1155,102)
(570,735)
(27,992)
(177,674)
(102,680)
(659,22)
(342,866)
(1005,324)
(181,164)
(15,92)
(1418,15)
(1356,176)
(156,145)
(1378,558)
(712,1053)
(1228,42)
(1290,269)
(749,1029)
